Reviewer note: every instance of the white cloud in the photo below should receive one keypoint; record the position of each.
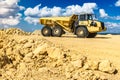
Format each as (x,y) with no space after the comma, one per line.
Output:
(45,11)
(32,11)
(73,9)
(103,14)
(89,7)
(32,20)
(115,17)
(76,9)
(10,21)
(8,7)
(9,12)
(117,3)
(112,24)
(21,7)
(33,14)
(37,12)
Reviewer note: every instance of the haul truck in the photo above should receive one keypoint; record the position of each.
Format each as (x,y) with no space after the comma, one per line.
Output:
(83,25)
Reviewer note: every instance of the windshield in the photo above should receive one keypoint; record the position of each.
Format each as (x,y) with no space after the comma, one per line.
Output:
(91,17)
(83,17)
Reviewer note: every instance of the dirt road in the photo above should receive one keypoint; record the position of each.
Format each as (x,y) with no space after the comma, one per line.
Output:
(101,47)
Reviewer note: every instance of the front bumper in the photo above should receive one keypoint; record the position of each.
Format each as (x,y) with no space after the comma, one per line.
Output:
(93,29)
(102,29)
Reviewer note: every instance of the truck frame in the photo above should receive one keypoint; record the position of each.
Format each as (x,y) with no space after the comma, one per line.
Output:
(83,25)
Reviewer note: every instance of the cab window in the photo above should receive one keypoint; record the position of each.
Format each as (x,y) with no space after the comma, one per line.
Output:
(90,17)
(82,17)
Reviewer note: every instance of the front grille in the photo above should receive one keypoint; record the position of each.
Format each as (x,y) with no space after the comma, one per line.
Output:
(102,25)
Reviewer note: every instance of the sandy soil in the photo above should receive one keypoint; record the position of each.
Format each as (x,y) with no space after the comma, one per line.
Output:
(33,57)
(101,47)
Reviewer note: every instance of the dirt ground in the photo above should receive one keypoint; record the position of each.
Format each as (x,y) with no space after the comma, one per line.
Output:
(101,47)
(26,56)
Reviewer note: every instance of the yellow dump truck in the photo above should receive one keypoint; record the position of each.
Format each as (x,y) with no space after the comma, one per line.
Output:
(83,25)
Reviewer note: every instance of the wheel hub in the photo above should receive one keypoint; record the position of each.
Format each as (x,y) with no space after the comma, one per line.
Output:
(80,32)
(45,31)
(56,31)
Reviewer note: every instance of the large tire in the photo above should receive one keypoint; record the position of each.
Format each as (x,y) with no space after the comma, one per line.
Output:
(57,31)
(46,31)
(82,32)
(92,35)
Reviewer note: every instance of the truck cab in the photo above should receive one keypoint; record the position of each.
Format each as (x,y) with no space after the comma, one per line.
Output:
(89,20)
(90,24)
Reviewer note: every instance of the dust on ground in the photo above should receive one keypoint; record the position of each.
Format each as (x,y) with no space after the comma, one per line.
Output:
(24,56)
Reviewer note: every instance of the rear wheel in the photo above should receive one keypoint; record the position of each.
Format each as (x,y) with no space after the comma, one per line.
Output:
(92,35)
(46,31)
(82,32)
(57,31)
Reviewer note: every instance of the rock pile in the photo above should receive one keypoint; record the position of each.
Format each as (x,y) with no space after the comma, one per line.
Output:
(15,31)
(36,32)
(36,59)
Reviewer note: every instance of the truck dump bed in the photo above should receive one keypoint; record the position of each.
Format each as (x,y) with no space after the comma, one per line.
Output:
(64,22)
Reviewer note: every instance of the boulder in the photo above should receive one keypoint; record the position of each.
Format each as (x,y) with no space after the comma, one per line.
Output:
(78,63)
(106,66)
(41,49)
(28,45)
(91,65)
(22,66)
(31,41)
(23,41)
(9,51)
(29,55)
(55,53)
(69,68)
(76,56)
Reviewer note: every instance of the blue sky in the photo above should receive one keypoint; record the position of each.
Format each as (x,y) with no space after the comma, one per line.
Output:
(25,14)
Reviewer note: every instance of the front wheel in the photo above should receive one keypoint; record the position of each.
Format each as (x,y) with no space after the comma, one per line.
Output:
(46,31)
(82,32)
